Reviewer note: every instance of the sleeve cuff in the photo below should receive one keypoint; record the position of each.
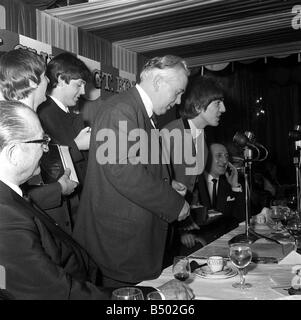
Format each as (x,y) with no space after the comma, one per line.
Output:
(237,188)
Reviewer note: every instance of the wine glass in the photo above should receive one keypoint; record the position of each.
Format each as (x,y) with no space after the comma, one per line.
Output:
(277,215)
(155,295)
(240,255)
(127,293)
(294,229)
(181,268)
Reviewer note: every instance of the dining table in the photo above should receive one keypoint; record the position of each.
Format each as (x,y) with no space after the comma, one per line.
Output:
(268,273)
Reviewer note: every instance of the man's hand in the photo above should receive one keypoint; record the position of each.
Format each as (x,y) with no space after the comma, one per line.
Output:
(188,239)
(179,187)
(185,212)
(191,226)
(83,139)
(232,178)
(67,185)
(176,290)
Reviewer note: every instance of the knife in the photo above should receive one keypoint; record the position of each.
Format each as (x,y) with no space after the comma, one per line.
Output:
(194,265)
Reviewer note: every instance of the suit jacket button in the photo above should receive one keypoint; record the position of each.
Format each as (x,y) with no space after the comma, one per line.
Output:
(165,179)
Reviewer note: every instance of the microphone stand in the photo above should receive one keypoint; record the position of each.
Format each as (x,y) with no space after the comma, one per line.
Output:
(246,237)
(296,160)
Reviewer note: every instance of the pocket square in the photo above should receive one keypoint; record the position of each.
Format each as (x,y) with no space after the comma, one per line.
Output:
(230,199)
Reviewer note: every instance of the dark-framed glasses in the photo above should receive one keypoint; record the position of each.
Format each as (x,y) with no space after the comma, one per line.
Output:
(44,141)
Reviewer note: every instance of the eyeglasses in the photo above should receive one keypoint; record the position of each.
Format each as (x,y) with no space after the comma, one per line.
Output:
(45,142)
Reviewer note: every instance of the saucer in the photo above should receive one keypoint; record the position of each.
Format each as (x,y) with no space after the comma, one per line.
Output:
(227,272)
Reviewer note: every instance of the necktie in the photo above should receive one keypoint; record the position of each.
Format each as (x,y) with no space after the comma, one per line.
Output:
(154,119)
(214,197)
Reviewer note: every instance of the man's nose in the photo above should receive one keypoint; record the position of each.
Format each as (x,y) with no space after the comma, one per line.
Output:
(222,107)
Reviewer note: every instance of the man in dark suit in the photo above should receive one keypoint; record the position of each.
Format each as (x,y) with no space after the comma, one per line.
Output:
(41,260)
(67,79)
(218,190)
(128,201)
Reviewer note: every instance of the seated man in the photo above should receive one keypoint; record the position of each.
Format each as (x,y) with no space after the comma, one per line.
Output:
(227,198)
(41,260)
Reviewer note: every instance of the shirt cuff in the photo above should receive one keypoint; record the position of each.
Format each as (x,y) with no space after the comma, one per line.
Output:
(237,188)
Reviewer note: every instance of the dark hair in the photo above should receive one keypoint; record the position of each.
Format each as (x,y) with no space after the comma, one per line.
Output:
(165,62)
(69,67)
(13,124)
(17,67)
(200,92)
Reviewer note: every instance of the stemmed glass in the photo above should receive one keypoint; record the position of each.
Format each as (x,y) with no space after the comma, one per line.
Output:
(127,293)
(181,268)
(294,229)
(240,255)
(277,215)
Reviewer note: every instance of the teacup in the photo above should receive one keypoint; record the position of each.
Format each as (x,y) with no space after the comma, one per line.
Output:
(215,263)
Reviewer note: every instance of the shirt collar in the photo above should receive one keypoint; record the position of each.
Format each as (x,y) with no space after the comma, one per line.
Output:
(146,101)
(195,132)
(60,104)
(13,186)
(209,177)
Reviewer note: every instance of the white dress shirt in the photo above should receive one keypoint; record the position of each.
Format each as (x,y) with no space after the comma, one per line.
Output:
(60,104)
(147,103)
(12,186)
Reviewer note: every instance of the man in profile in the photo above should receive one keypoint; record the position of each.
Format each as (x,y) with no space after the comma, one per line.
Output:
(126,205)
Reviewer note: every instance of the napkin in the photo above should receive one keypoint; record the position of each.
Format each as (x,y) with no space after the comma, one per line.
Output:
(292,258)
(2,278)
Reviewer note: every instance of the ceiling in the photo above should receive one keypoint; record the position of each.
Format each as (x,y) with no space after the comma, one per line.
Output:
(201,31)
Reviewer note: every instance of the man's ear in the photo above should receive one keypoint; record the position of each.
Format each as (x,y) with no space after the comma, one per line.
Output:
(60,81)
(11,151)
(157,82)
(32,84)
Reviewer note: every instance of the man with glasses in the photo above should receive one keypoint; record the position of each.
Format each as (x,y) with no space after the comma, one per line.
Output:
(126,205)
(22,78)
(42,262)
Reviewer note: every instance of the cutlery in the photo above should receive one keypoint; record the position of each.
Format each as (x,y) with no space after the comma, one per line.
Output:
(194,265)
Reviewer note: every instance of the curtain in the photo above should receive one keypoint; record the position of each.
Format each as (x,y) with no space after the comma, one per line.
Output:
(20,18)
(57,33)
(89,45)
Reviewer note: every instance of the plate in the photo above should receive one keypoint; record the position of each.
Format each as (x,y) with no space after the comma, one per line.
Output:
(227,272)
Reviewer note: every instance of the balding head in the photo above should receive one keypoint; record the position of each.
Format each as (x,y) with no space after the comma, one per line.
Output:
(218,159)
(17,122)
(164,80)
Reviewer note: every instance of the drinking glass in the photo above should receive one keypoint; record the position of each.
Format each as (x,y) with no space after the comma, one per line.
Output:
(181,268)
(277,216)
(127,293)
(294,229)
(240,255)
(155,295)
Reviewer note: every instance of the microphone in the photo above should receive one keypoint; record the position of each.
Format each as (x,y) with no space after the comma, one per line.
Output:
(294,135)
(242,140)
(248,139)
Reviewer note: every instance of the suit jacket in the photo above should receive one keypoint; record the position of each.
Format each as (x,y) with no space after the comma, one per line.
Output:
(49,198)
(63,128)
(125,208)
(229,202)
(41,260)
(179,169)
